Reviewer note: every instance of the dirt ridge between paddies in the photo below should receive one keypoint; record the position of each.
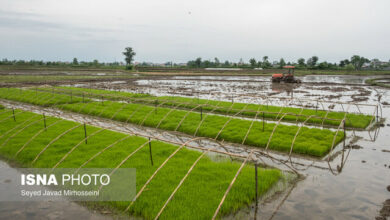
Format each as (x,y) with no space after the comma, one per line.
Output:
(320,117)
(198,197)
(274,136)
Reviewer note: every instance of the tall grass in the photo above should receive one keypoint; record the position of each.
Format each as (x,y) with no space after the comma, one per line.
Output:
(198,197)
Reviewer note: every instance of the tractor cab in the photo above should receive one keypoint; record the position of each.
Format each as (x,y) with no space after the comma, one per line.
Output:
(287,77)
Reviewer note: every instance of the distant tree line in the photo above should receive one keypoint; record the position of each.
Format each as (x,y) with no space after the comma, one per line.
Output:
(74,63)
(354,63)
(128,53)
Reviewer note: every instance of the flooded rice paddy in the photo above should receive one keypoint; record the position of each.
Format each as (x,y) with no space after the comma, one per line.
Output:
(353,184)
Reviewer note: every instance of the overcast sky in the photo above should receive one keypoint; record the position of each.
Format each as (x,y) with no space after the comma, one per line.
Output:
(179,30)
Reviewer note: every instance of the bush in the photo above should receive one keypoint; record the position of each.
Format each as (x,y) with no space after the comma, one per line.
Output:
(129,67)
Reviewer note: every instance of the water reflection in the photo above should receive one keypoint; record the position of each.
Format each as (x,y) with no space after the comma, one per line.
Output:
(288,88)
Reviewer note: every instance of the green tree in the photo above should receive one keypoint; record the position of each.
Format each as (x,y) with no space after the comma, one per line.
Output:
(312,61)
(75,61)
(266,63)
(253,62)
(191,64)
(301,62)
(198,62)
(206,64)
(323,65)
(282,63)
(344,63)
(129,55)
(217,62)
(358,61)
(349,67)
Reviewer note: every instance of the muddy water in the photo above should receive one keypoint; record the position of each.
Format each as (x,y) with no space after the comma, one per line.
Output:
(308,78)
(355,187)
(357,192)
(257,89)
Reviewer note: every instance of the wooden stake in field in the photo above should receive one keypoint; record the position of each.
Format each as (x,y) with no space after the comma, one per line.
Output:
(44,121)
(85,133)
(150,151)
(201,113)
(102,100)
(345,134)
(377,113)
(263,121)
(256,186)
(155,106)
(13,114)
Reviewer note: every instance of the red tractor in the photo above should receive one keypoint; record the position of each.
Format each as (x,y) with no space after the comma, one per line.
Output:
(285,77)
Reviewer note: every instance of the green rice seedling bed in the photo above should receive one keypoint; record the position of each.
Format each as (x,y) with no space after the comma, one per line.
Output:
(313,142)
(270,112)
(95,93)
(37,97)
(309,141)
(273,112)
(197,198)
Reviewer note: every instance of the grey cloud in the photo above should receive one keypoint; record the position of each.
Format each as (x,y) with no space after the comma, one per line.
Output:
(35,22)
(165,30)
